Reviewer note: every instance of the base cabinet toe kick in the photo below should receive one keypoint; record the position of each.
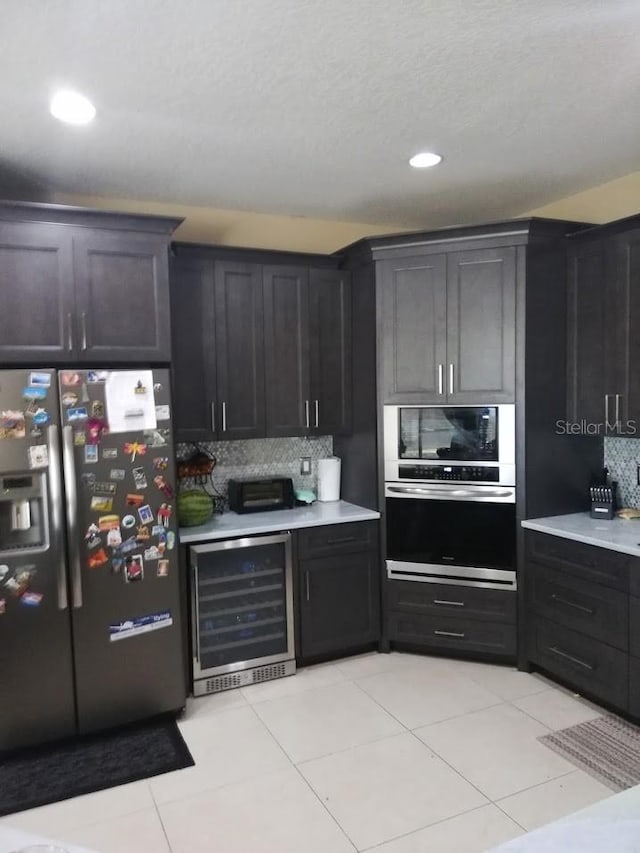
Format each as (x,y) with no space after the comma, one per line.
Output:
(583,618)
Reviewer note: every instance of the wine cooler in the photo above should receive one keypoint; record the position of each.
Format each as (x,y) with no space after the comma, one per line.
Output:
(242,612)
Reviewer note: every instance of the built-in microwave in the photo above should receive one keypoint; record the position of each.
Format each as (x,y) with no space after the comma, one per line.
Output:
(466,444)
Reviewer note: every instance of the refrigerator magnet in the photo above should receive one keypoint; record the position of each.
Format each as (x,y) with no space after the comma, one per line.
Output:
(38,456)
(70,377)
(108,522)
(157,530)
(78,413)
(34,392)
(152,553)
(88,480)
(161,463)
(3,606)
(97,409)
(31,599)
(128,545)
(97,559)
(133,568)
(114,537)
(171,539)
(94,376)
(42,380)
(163,568)
(164,514)
(116,565)
(139,478)
(96,428)
(101,503)
(156,437)
(163,413)
(135,500)
(79,438)
(104,488)
(145,514)
(41,417)
(143,533)
(91,453)
(12,424)
(134,448)
(164,487)
(117,474)
(128,521)
(69,398)
(109,452)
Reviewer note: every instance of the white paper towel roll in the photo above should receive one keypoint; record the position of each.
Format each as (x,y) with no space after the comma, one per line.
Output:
(329,479)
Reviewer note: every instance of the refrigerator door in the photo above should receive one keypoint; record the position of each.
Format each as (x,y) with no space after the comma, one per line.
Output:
(126,614)
(36,669)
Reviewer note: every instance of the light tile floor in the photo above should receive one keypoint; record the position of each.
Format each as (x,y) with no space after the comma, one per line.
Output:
(394,753)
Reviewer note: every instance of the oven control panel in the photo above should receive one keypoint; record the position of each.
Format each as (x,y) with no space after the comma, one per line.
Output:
(468,473)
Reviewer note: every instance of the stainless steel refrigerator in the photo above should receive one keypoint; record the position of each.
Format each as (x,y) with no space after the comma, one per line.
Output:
(90,602)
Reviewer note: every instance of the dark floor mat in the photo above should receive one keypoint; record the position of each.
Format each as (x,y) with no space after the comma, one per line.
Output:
(54,772)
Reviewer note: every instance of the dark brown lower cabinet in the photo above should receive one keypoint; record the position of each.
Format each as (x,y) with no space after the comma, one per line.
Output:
(464,619)
(634,686)
(338,592)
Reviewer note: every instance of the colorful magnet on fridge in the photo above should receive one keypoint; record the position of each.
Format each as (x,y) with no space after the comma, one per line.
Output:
(171,539)
(100,503)
(139,478)
(161,463)
(31,599)
(88,480)
(117,474)
(114,537)
(134,448)
(97,409)
(94,376)
(165,512)
(12,424)
(97,559)
(152,553)
(143,533)
(91,454)
(156,437)
(128,521)
(77,413)
(135,500)
(157,386)
(133,568)
(145,514)
(96,428)
(104,488)
(70,377)
(163,568)
(116,565)
(109,452)
(34,392)
(140,387)
(128,545)
(43,380)
(79,438)
(108,522)
(41,417)
(164,487)
(38,456)
(69,398)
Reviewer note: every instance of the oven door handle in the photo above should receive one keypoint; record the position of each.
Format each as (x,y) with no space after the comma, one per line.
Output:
(453,494)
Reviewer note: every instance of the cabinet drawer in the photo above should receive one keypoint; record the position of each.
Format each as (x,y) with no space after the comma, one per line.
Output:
(447,632)
(492,605)
(594,610)
(588,665)
(634,573)
(337,539)
(634,625)
(586,562)
(634,687)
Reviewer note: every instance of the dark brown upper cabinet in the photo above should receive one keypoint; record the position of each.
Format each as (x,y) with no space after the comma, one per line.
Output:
(218,363)
(603,292)
(448,327)
(307,351)
(83,286)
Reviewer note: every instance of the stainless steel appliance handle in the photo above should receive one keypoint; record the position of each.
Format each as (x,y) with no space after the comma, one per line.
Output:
(306,413)
(306,584)
(317,406)
(451,378)
(457,634)
(445,602)
(441,379)
(454,494)
(83,317)
(224,416)
(71,490)
(55,493)
(195,605)
(213,417)
(69,332)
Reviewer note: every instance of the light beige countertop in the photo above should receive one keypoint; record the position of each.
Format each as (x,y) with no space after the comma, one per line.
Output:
(231,524)
(616,535)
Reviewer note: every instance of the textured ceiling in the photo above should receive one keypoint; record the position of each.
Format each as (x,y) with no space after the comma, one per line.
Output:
(312,107)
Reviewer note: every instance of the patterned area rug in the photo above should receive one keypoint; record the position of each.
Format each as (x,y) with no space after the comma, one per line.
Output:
(607,748)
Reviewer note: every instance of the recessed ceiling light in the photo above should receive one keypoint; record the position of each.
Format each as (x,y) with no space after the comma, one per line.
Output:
(424,159)
(72,107)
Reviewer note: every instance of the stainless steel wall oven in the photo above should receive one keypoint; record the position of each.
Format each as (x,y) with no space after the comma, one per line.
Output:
(450,494)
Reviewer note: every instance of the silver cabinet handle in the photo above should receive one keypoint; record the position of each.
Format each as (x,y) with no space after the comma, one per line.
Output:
(441,379)
(55,493)
(72,514)
(447,603)
(606,412)
(451,378)
(224,416)
(306,413)
(317,407)
(84,330)
(617,410)
(571,658)
(69,333)
(306,583)
(572,604)
(455,634)
(213,417)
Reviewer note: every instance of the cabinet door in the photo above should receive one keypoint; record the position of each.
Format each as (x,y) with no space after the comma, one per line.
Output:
(481,315)
(122,297)
(588,303)
(339,603)
(36,293)
(286,337)
(624,332)
(330,334)
(193,348)
(414,317)
(239,350)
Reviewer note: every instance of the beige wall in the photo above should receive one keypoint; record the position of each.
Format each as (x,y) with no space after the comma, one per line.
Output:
(603,203)
(242,228)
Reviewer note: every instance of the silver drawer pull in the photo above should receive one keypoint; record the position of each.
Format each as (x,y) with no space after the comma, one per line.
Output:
(455,634)
(571,658)
(580,607)
(448,603)
(342,541)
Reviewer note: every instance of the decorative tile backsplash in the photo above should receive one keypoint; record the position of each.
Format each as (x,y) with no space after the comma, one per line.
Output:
(261,457)
(621,456)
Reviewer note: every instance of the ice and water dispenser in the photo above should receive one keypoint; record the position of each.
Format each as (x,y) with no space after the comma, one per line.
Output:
(23,513)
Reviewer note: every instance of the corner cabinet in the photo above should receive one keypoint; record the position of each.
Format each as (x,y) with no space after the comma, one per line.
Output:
(81,286)
(448,327)
(338,589)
